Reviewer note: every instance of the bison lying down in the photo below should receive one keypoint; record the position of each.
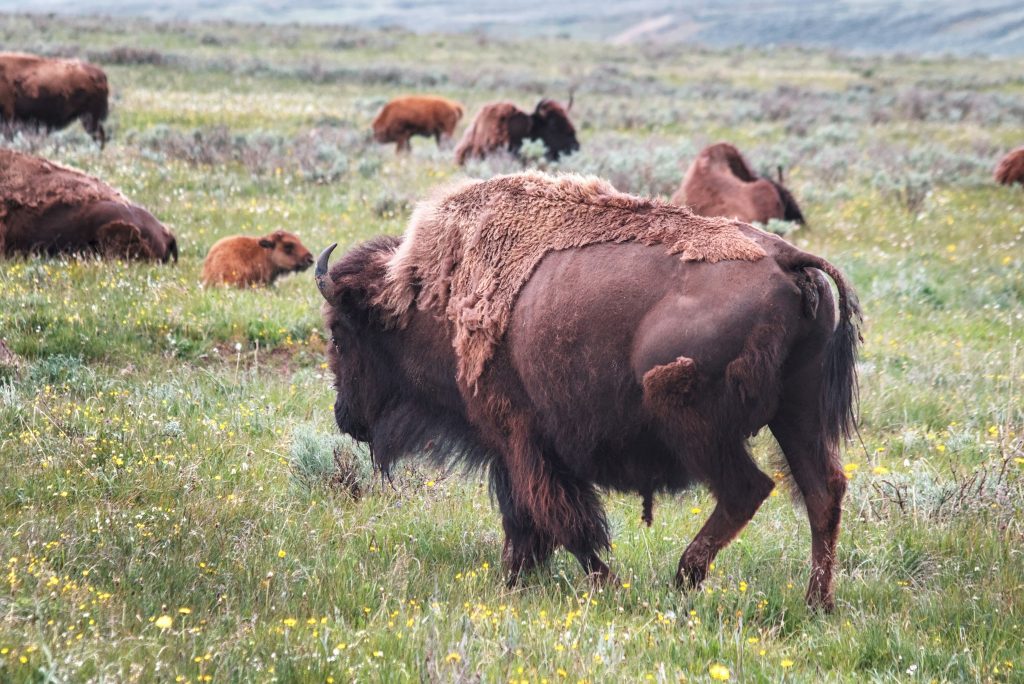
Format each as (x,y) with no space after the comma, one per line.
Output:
(1011,168)
(568,337)
(245,261)
(51,93)
(412,115)
(504,126)
(720,183)
(49,209)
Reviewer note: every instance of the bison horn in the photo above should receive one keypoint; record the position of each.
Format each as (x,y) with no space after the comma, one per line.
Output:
(321,272)
(572,93)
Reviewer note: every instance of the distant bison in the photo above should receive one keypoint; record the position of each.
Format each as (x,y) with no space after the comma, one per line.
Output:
(569,337)
(504,126)
(1011,168)
(245,261)
(51,93)
(720,182)
(424,115)
(46,208)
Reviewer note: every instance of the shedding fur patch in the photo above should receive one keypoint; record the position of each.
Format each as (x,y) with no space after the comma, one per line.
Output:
(469,250)
(28,182)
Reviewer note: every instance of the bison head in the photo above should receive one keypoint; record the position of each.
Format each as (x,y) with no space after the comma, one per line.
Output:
(286,252)
(395,384)
(128,231)
(550,124)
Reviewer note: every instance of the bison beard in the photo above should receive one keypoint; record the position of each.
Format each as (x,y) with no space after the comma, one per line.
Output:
(623,365)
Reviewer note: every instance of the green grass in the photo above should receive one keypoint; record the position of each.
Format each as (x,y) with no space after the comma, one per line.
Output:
(160,443)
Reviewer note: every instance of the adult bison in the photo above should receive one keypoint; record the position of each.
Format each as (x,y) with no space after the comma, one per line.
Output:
(424,115)
(1011,168)
(567,336)
(49,209)
(245,261)
(504,126)
(51,93)
(720,182)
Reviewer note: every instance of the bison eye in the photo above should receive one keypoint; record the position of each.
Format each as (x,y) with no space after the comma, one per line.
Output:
(288,248)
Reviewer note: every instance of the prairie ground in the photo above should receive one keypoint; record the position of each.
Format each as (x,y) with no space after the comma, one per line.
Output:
(170,507)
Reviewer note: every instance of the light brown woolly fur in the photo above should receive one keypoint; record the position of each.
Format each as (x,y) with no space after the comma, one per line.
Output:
(497,126)
(410,115)
(244,261)
(470,248)
(32,182)
(1011,168)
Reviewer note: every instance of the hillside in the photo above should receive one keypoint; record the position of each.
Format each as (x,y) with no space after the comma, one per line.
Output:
(871,26)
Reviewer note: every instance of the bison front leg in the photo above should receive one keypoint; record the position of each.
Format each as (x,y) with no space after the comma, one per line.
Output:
(525,546)
(564,508)
(740,488)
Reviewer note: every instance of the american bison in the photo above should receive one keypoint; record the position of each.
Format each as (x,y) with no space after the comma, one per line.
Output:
(51,209)
(424,115)
(504,126)
(720,182)
(245,261)
(566,336)
(1011,168)
(51,93)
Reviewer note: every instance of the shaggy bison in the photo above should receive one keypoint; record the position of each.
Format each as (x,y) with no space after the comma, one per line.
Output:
(1011,168)
(504,126)
(49,209)
(245,261)
(566,337)
(51,93)
(720,183)
(412,115)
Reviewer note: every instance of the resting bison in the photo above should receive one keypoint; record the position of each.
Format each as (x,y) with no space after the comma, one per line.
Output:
(504,126)
(50,209)
(1011,168)
(51,93)
(245,261)
(567,336)
(720,183)
(423,115)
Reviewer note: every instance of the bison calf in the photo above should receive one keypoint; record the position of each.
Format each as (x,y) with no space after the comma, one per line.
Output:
(1011,168)
(244,261)
(51,93)
(51,209)
(720,182)
(424,115)
(503,126)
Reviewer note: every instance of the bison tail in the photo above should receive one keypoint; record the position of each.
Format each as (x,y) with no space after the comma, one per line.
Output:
(839,390)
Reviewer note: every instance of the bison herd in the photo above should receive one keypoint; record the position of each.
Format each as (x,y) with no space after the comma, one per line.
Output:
(562,335)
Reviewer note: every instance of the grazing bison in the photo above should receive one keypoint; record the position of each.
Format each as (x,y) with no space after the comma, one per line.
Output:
(720,183)
(567,336)
(412,115)
(245,261)
(50,209)
(1011,168)
(504,126)
(51,93)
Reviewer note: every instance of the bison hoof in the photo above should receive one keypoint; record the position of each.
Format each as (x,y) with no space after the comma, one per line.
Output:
(689,577)
(820,601)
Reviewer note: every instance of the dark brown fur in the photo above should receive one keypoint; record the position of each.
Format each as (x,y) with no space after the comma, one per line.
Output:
(623,367)
(720,182)
(1011,168)
(411,115)
(51,93)
(244,261)
(51,209)
(502,126)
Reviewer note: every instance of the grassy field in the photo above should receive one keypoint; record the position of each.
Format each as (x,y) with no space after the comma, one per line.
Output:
(168,512)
